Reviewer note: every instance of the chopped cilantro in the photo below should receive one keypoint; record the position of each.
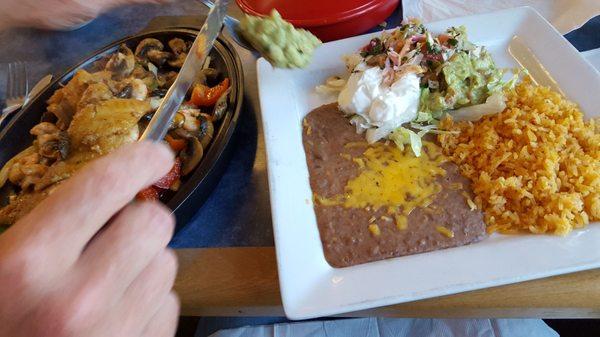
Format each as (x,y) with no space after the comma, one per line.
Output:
(375,47)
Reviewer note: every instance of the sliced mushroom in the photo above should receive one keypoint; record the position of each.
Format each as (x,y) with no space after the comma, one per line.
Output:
(178,61)
(208,76)
(139,90)
(205,77)
(182,133)
(221,106)
(178,121)
(155,102)
(192,155)
(166,79)
(121,63)
(159,57)
(125,92)
(139,71)
(145,120)
(56,148)
(52,142)
(43,128)
(159,92)
(151,83)
(191,122)
(206,130)
(145,46)
(211,74)
(178,46)
(132,88)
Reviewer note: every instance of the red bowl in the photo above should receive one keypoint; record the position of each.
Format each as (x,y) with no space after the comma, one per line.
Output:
(327,19)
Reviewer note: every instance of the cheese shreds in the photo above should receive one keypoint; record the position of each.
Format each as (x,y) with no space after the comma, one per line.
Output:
(445,231)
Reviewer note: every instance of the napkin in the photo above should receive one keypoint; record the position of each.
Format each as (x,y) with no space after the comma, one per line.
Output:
(565,15)
(399,327)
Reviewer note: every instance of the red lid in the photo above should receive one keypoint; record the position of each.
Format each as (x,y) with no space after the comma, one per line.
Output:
(308,13)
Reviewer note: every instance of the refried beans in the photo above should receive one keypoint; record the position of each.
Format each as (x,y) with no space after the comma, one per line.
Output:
(353,235)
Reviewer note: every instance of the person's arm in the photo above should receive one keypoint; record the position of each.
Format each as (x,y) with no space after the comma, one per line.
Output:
(90,262)
(56,14)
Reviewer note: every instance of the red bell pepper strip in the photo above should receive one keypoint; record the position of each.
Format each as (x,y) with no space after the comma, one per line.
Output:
(153,192)
(166,181)
(205,96)
(148,194)
(175,143)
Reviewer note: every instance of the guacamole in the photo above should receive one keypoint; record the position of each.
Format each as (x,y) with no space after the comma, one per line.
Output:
(467,80)
(278,41)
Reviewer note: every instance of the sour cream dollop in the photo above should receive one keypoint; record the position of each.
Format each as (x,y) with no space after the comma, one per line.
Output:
(384,108)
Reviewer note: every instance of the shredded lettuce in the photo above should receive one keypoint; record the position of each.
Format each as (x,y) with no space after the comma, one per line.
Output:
(512,82)
(424,117)
(360,123)
(403,136)
(415,142)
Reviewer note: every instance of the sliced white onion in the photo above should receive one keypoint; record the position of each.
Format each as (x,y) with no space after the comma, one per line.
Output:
(493,105)
(153,69)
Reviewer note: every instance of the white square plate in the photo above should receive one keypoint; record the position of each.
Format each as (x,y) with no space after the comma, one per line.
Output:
(310,287)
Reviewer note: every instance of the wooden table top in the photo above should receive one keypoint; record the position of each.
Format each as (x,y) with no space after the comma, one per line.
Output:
(243,282)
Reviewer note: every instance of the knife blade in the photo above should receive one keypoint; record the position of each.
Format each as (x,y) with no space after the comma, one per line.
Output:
(159,124)
(38,87)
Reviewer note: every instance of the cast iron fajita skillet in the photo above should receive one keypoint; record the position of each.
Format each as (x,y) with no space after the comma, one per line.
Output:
(195,187)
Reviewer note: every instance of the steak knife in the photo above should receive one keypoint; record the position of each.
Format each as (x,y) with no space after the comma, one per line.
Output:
(159,124)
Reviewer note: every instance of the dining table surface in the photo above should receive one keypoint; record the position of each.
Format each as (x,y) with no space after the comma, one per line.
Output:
(226,251)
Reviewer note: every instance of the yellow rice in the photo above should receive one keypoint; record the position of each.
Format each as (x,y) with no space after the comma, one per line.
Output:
(535,167)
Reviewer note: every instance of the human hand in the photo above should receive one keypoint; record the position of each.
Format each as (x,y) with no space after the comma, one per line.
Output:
(89,262)
(57,14)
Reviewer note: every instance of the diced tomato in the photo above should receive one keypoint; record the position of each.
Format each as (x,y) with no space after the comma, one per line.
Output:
(175,143)
(417,38)
(434,57)
(205,96)
(148,194)
(443,38)
(166,181)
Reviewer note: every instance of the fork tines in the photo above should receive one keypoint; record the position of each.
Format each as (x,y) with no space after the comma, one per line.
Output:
(17,85)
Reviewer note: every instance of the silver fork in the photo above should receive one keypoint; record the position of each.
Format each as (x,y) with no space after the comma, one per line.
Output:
(233,26)
(17,88)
